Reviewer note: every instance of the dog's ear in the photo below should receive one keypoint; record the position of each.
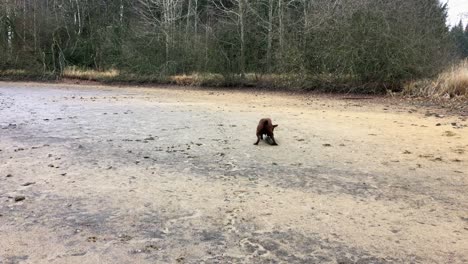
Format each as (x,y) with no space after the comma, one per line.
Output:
(274,126)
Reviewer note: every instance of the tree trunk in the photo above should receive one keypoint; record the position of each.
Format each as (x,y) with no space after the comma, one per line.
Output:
(270,35)
(306,28)
(195,26)
(281,26)
(187,26)
(121,15)
(35,25)
(9,31)
(79,16)
(242,36)
(24,25)
(167,48)
(207,31)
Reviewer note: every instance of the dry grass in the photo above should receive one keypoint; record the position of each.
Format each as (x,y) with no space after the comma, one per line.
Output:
(111,76)
(197,79)
(13,72)
(90,75)
(451,83)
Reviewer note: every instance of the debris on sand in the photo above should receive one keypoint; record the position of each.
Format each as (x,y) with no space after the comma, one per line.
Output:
(92,239)
(19,198)
(434,114)
(28,183)
(449,134)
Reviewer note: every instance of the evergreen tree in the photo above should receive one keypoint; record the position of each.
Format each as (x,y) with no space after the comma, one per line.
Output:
(459,35)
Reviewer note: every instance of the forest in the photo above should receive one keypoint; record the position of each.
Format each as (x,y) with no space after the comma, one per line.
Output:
(374,44)
(233,131)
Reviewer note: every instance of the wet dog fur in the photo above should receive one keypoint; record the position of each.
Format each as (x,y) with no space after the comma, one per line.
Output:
(265,127)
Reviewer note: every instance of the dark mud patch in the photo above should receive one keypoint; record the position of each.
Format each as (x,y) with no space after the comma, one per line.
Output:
(319,179)
(14,259)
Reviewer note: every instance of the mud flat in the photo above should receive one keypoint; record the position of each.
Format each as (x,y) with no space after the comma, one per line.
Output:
(94,174)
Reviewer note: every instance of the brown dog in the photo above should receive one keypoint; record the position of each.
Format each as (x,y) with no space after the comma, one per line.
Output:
(265,127)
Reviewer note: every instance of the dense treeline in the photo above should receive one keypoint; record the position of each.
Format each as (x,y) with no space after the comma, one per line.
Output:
(460,36)
(371,41)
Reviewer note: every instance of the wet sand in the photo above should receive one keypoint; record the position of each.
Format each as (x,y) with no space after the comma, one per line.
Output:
(95,174)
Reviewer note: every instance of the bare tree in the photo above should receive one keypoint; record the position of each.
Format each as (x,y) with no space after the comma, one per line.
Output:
(162,16)
(236,12)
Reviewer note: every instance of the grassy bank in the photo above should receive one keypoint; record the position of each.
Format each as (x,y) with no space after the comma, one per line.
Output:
(452,83)
(23,75)
(284,82)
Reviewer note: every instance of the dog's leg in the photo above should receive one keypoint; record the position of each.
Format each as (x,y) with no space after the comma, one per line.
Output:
(258,140)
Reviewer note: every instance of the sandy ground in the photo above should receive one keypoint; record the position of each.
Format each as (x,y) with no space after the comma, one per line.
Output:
(167,175)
